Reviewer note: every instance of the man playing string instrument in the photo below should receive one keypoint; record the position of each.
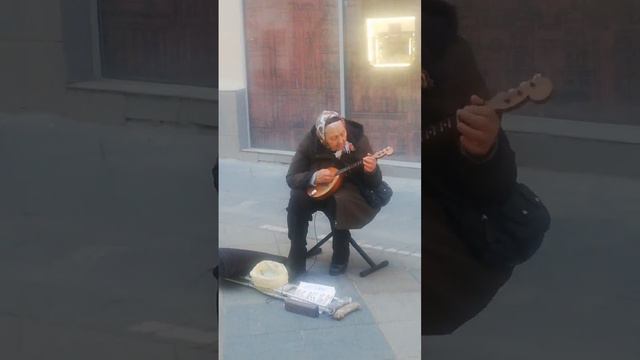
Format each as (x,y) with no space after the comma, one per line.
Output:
(332,142)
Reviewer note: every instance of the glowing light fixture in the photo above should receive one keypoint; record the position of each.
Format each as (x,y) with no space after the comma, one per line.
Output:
(391,41)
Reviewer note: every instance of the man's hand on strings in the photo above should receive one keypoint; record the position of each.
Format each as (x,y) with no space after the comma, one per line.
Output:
(324,176)
(370,163)
(478,124)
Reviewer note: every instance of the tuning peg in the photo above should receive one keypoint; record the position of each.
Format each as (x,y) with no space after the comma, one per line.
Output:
(502,97)
(523,88)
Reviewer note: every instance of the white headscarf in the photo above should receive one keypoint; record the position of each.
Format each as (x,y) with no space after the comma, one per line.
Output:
(321,122)
(321,126)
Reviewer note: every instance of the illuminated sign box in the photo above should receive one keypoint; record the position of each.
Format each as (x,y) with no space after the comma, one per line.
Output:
(391,42)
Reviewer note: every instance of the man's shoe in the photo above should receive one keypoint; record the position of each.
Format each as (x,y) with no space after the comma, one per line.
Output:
(337,269)
(295,269)
(294,272)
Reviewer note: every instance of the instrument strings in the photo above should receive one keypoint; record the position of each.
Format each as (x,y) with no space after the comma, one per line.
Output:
(438,128)
(377,155)
(345,169)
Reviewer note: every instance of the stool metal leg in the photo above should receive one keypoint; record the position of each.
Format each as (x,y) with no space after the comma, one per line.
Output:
(373,266)
(315,250)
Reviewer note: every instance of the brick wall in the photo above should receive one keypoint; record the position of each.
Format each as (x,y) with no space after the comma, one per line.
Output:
(589,48)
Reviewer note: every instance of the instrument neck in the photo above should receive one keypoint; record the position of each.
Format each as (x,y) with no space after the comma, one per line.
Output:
(347,168)
(439,128)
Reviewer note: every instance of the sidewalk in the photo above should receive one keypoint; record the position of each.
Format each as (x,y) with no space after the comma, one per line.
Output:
(107,237)
(579,296)
(253,198)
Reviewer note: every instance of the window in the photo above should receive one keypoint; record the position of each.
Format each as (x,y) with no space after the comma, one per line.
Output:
(160,40)
(294,65)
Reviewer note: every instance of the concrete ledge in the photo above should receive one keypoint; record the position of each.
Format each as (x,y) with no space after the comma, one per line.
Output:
(573,129)
(148,88)
(574,146)
(116,101)
(569,154)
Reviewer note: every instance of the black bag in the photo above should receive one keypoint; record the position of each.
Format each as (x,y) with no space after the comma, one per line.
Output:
(377,197)
(505,235)
(237,263)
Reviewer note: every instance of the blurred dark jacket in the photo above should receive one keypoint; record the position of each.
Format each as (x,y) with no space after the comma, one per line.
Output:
(455,285)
